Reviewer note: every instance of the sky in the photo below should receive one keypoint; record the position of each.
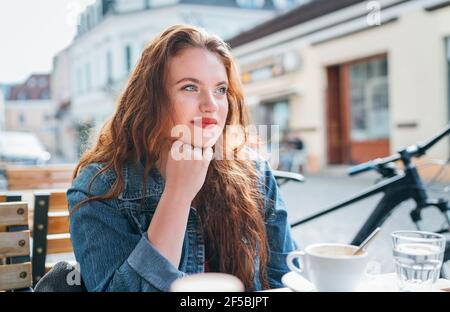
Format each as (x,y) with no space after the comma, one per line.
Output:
(32,32)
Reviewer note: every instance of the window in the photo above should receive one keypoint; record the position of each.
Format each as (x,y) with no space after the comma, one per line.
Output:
(272,114)
(42,82)
(91,16)
(107,6)
(88,77)
(261,73)
(160,3)
(128,58)
(369,100)
(109,68)
(281,115)
(45,95)
(32,82)
(251,4)
(79,77)
(21,119)
(22,95)
(288,4)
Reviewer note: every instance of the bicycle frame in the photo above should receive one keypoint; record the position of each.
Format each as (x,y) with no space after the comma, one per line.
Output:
(397,189)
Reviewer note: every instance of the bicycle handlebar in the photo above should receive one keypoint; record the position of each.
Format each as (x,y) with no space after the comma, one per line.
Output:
(411,151)
(290,176)
(367,166)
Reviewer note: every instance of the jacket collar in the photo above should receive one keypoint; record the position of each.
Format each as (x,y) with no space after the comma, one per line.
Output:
(133,173)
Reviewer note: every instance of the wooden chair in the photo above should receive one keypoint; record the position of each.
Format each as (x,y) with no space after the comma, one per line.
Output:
(8,197)
(39,177)
(15,265)
(50,230)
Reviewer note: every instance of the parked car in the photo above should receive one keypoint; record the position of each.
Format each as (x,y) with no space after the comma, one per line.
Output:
(22,148)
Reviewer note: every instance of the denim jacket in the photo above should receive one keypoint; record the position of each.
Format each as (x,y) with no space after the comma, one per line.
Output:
(110,240)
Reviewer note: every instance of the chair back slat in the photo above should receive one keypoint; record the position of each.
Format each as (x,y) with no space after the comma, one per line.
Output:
(58,201)
(15,268)
(58,223)
(13,213)
(59,243)
(14,244)
(15,276)
(39,177)
(8,198)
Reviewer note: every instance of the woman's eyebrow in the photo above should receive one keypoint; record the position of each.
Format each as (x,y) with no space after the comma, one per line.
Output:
(197,81)
(188,79)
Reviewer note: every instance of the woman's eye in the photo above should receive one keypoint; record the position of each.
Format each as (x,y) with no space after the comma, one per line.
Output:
(222,90)
(190,88)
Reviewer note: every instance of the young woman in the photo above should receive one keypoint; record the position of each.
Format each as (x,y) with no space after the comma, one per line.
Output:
(148,203)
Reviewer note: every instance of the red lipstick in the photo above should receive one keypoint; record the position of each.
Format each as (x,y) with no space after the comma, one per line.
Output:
(204,121)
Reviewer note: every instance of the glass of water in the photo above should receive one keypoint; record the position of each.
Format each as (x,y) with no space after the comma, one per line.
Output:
(418,259)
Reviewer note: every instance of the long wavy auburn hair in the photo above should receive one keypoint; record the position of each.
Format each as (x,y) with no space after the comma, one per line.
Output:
(229,203)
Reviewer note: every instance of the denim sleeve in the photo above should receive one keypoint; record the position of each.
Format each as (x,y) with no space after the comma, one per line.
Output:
(111,255)
(277,227)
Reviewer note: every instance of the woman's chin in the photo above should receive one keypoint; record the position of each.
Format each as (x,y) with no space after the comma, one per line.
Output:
(207,137)
(205,144)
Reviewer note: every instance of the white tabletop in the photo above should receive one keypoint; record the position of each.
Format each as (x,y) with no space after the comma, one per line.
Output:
(376,283)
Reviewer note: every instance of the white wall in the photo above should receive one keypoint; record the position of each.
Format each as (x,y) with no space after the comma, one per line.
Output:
(60,78)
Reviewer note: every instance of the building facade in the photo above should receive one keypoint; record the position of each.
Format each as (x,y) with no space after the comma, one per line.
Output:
(354,79)
(29,108)
(112,34)
(2,109)
(65,130)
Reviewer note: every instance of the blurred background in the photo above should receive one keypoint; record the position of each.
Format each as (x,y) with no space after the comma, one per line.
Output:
(346,81)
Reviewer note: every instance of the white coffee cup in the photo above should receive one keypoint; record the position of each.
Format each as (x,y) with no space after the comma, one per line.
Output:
(330,267)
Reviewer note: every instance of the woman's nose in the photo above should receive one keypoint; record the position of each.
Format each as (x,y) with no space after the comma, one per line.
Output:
(208,103)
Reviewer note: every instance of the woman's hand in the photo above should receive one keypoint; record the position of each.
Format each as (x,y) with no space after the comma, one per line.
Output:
(186,169)
(185,172)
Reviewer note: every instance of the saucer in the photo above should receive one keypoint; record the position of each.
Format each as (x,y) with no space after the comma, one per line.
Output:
(386,282)
(296,282)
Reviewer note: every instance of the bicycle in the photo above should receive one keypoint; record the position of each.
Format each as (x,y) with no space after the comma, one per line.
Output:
(398,185)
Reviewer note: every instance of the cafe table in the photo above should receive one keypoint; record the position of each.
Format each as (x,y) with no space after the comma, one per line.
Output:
(375,283)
